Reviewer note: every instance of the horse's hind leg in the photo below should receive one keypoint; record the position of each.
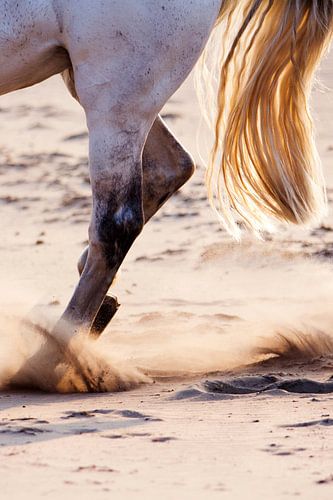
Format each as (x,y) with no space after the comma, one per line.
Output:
(116,141)
(166,167)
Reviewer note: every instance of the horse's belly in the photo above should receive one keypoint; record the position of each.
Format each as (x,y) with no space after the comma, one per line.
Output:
(29,49)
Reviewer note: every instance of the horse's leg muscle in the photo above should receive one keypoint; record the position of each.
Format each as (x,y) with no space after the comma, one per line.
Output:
(166,164)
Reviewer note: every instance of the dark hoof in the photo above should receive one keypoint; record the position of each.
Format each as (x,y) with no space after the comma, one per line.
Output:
(107,310)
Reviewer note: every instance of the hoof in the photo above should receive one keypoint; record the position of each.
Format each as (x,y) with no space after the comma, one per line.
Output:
(107,310)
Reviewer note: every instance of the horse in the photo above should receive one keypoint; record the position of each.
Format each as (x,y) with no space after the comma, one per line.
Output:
(122,60)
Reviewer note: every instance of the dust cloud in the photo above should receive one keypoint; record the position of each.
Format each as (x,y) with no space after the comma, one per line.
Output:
(179,343)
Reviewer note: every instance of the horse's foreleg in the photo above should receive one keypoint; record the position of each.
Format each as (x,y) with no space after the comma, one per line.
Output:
(166,167)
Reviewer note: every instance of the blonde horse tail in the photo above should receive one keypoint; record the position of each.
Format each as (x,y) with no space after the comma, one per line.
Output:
(264,162)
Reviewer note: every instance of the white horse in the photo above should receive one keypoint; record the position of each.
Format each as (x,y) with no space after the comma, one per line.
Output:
(123,59)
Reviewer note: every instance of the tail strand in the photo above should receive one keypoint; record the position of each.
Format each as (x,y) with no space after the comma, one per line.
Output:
(264,163)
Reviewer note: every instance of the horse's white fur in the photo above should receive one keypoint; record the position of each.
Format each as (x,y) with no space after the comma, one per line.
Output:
(128,57)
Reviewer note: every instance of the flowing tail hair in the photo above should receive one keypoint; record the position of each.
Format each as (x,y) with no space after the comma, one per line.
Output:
(264,163)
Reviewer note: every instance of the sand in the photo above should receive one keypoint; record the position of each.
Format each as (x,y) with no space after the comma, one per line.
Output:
(228,348)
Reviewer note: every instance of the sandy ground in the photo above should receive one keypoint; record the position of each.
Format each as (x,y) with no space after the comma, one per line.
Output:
(196,307)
